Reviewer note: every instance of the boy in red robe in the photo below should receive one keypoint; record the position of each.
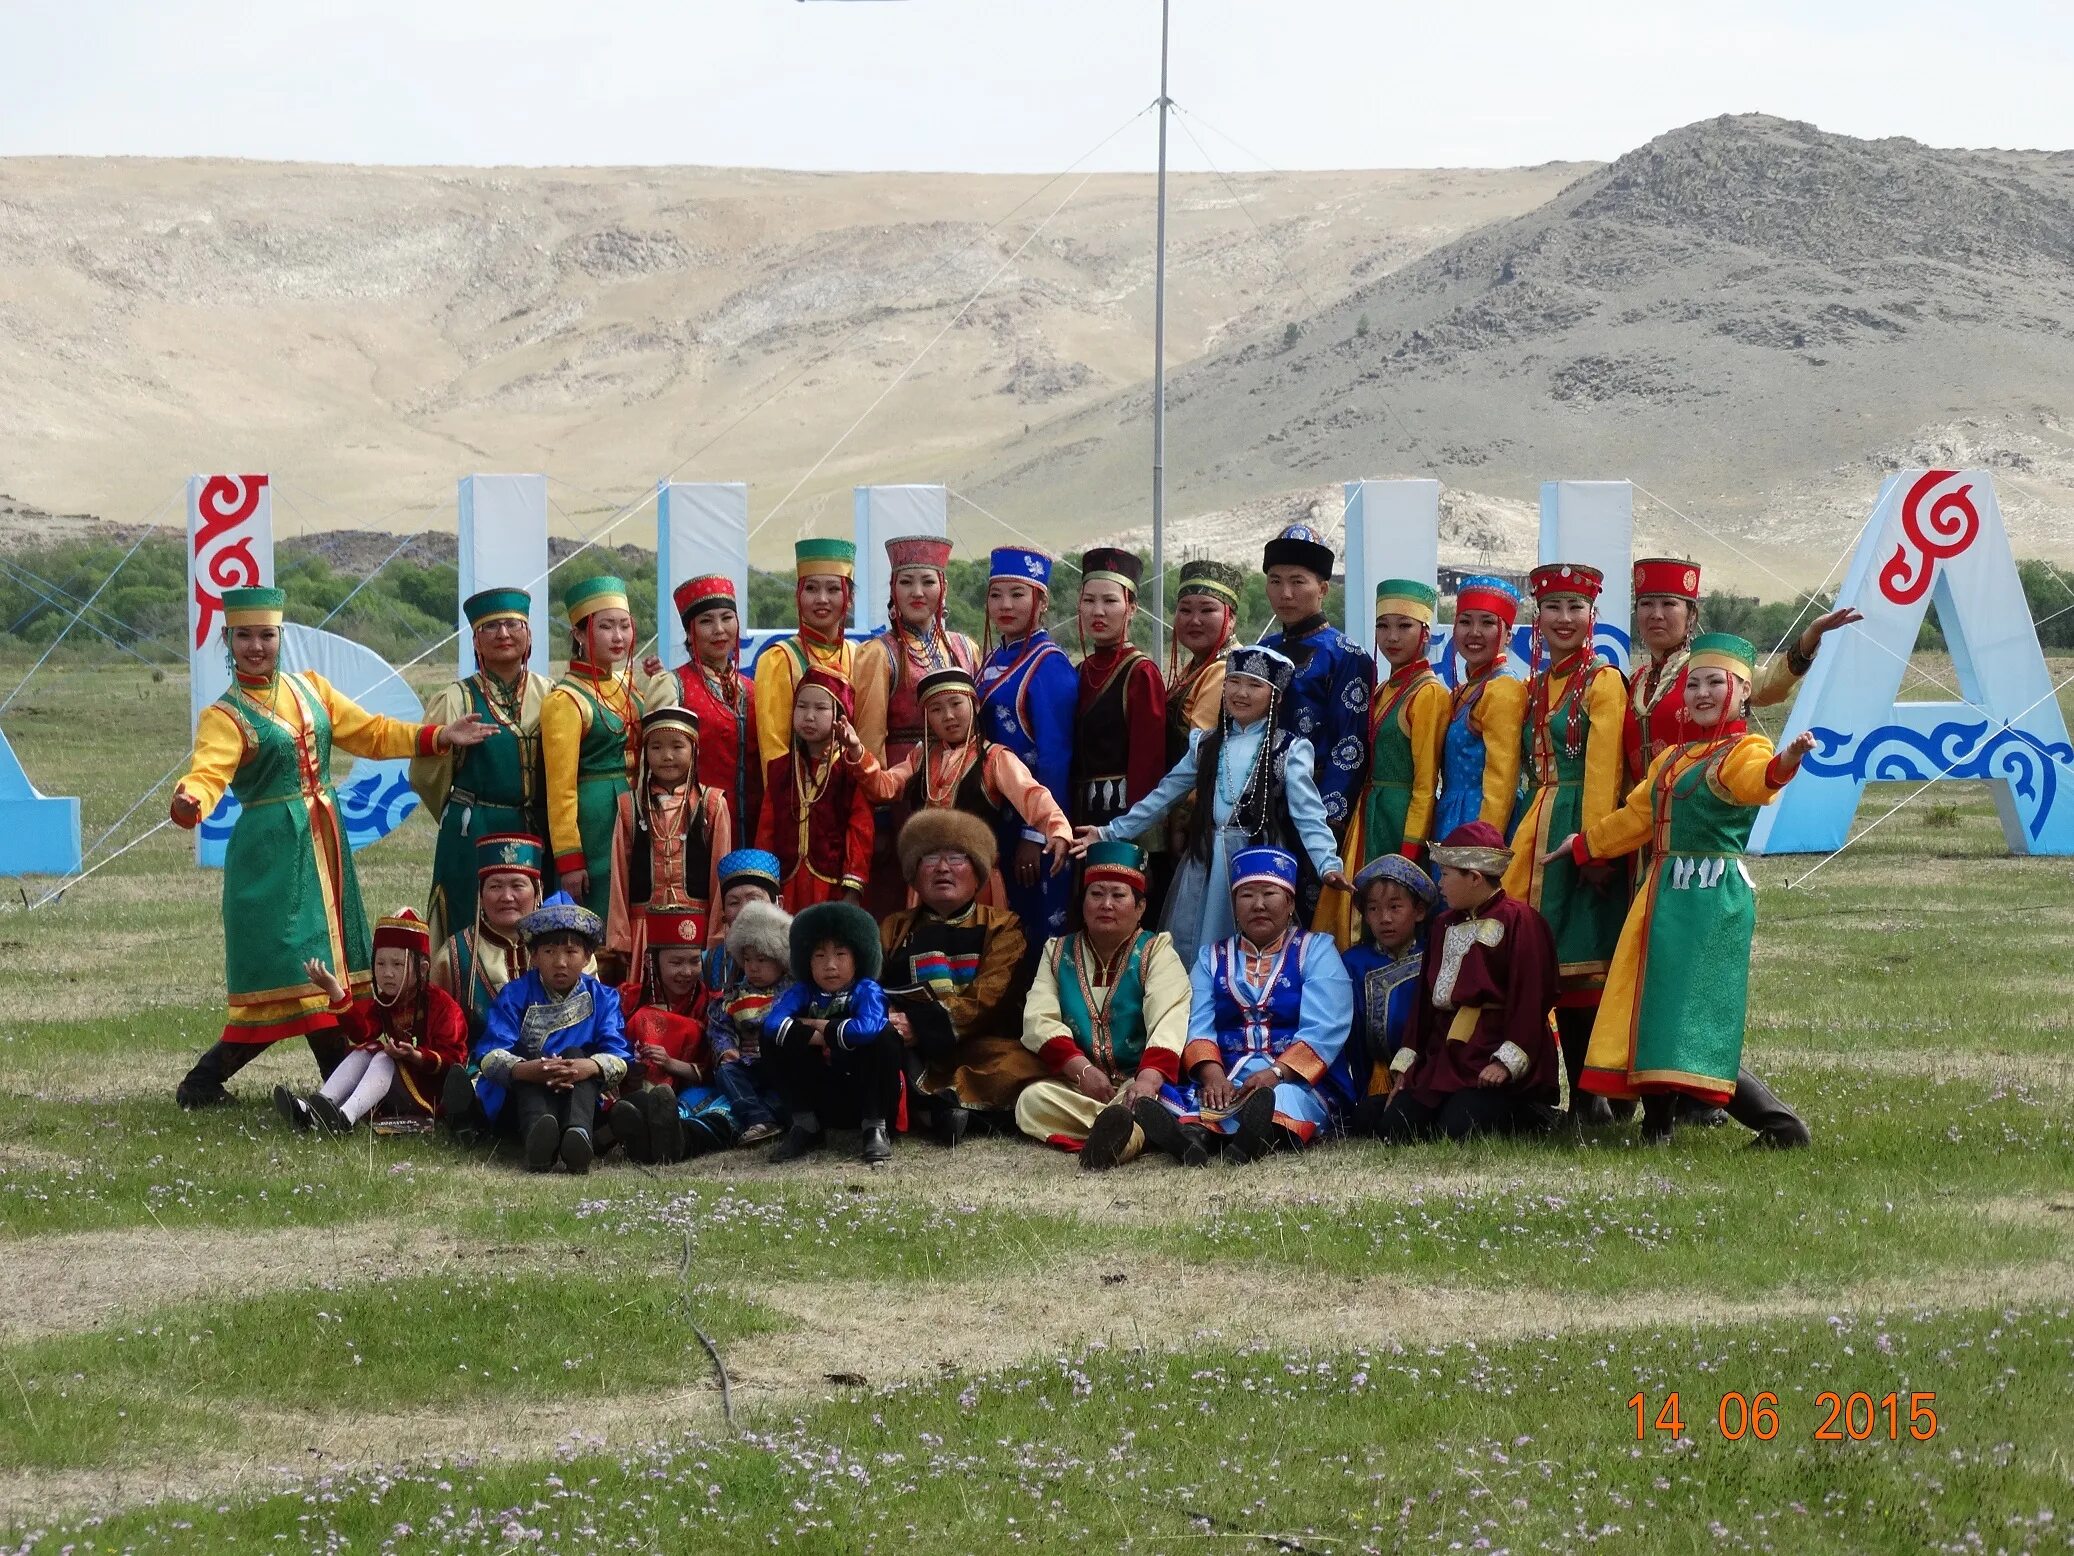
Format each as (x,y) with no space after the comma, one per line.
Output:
(664,1105)
(1482,1057)
(816,818)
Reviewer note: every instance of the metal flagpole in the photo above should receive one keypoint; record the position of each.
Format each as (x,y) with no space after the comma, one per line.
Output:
(1159,372)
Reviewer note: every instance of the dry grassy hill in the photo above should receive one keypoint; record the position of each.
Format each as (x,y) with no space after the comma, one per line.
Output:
(1750,317)
(368,334)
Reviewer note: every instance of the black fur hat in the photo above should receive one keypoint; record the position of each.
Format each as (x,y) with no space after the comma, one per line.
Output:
(846,924)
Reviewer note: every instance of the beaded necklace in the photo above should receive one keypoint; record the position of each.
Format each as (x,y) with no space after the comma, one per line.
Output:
(940,793)
(1540,715)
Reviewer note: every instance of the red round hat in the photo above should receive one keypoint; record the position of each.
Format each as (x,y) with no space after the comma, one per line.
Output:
(403,929)
(1554,578)
(1476,595)
(1667,575)
(675,926)
(833,684)
(703,594)
(918,551)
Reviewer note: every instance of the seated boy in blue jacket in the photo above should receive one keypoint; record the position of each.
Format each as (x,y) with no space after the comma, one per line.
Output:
(552,1043)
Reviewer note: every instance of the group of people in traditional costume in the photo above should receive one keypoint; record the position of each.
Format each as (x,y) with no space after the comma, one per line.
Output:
(1265,895)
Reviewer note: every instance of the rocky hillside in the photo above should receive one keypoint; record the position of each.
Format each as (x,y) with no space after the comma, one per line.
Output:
(1752,318)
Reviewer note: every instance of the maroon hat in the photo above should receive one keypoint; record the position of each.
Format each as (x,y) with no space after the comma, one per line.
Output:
(1474,845)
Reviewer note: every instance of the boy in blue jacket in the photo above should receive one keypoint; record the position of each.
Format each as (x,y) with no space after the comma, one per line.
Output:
(553,1042)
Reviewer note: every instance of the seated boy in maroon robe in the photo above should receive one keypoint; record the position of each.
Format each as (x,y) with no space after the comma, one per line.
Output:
(1482,1057)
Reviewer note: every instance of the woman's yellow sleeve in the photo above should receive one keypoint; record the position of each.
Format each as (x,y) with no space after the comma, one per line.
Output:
(1625,830)
(432,777)
(1426,719)
(219,750)
(374,735)
(1746,772)
(563,720)
(1606,705)
(870,682)
(1503,709)
(774,704)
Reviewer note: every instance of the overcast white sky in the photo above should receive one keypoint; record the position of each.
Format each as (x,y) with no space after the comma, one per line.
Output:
(992,85)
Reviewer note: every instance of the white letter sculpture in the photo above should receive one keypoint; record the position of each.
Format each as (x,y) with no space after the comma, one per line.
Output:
(1934,535)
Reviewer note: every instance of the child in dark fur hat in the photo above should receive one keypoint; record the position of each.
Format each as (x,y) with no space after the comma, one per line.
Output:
(836,1052)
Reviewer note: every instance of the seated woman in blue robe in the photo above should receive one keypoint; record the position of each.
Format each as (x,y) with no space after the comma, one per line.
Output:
(1269,1015)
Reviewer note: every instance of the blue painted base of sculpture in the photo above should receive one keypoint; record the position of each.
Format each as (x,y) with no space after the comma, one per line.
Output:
(2030,773)
(39,834)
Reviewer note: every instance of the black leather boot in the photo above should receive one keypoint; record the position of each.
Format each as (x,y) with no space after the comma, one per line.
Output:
(1776,1126)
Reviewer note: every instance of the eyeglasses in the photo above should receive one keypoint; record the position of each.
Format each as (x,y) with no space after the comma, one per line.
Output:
(504,629)
(939,861)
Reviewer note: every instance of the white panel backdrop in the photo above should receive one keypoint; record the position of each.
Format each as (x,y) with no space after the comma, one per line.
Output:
(503,539)
(701,528)
(886,513)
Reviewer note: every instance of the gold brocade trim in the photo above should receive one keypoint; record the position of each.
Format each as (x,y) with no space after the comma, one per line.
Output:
(1711,1083)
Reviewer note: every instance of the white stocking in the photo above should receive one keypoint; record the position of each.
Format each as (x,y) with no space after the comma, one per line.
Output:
(374,1085)
(340,1083)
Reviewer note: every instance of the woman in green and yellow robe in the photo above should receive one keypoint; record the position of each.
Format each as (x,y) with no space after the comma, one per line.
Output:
(1108,1015)
(1672,1015)
(495,789)
(590,736)
(1570,746)
(290,896)
(1407,722)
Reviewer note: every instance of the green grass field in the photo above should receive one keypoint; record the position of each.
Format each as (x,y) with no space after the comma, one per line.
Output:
(215,1334)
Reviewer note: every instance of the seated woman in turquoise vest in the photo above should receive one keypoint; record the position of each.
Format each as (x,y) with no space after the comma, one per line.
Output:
(1108,1013)
(1270,1009)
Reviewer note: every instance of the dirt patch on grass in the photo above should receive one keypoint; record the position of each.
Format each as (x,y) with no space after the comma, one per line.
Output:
(78,1281)
(2053,1211)
(1161,1303)
(855,1333)
(1007,1175)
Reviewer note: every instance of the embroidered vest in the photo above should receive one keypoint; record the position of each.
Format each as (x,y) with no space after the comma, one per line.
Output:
(1114,1039)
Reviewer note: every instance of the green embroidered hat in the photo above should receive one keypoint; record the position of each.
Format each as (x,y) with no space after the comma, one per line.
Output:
(1723,651)
(1406,597)
(1219,580)
(255,607)
(497,605)
(820,557)
(588,596)
(515,852)
(1113,860)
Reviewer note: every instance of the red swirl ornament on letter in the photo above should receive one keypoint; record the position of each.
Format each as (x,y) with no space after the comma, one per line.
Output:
(1947,529)
(221,561)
